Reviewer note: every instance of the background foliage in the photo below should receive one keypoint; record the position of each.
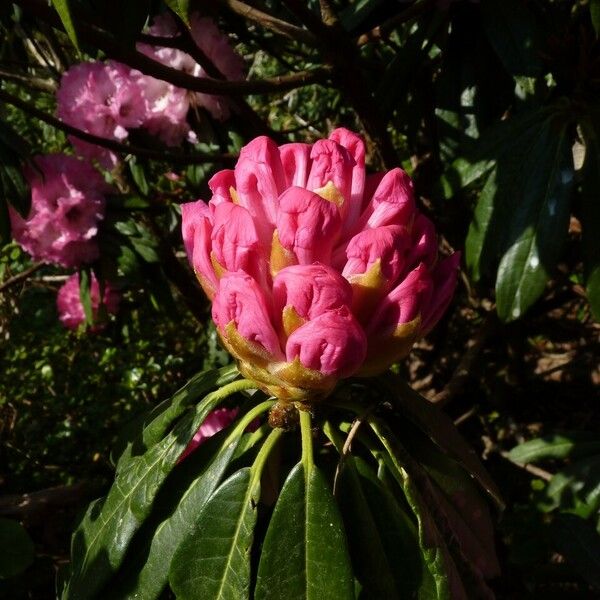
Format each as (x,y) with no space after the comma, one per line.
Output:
(492,107)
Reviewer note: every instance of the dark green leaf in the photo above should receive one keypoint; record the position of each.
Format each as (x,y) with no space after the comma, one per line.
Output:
(595,15)
(440,429)
(148,580)
(304,555)
(382,539)
(153,427)
(101,540)
(85,294)
(139,176)
(512,31)
(557,446)
(214,562)
(4,223)
(16,548)
(578,541)
(576,488)
(441,579)
(590,217)
(181,8)
(538,225)
(63,8)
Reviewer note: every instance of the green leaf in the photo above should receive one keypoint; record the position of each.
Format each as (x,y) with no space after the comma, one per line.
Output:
(441,575)
(479,229)
(101,540)
(156,423)
(16,548)
(556,446)
(304,555)
(85,295)
(595,15)
(13,188)
(440,429)
(4,223)
(512,31)
(578,541)
(460,506)
(148,579)
(139,175)
(181,8)
(214,562)
(382,538)
(538,225)
(63,8)
(576,488)
(590,215)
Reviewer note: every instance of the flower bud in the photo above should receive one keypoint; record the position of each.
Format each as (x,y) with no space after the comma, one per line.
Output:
(295,159)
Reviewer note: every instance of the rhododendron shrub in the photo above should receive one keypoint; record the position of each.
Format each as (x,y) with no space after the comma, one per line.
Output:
(70,308)
(321,276)
(67,205)
(316,270)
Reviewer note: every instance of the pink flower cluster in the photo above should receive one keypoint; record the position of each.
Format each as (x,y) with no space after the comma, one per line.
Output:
(317,271)
(216,420)
(108,99)
(70,308)
(67,202)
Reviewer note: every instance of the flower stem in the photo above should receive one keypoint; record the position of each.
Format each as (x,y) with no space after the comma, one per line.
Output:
(307,443)
(263,455)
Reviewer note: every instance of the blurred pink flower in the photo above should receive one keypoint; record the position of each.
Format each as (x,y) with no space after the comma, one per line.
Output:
(168,105)
(102,99)
(316,270)
(216,420)
(67,202)
(70,309)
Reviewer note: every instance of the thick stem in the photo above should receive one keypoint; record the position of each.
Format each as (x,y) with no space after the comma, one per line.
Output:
(307,443)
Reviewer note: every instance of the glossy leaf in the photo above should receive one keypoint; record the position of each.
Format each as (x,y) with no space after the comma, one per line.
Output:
(556,446)
(440,429)
(156,423)
(441,574)
(538,226)
(16,548)
(590,217)
(181,8)
(304,555)
(101,541)
(214,562)
(578,541)
(149,579)
(512,31)
(382,538)
(576,488)
(85,294)
(63,8)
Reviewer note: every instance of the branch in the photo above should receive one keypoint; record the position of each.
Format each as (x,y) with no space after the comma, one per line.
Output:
(37,83)
(175,157)
(269,22)
(385,29)
(22,276)
(136,60)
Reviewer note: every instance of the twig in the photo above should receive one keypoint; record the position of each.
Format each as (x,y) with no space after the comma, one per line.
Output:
(346,449)
(131,57)
(22,276)
(385,29)
(532,469)
(196,158)
(36,83)
(464,370)
(269,22)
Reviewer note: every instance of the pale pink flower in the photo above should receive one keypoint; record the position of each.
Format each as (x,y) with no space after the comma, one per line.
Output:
(70,308)
(67,203)
(216,421)
(102,99)
(316,271)
(168,105)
